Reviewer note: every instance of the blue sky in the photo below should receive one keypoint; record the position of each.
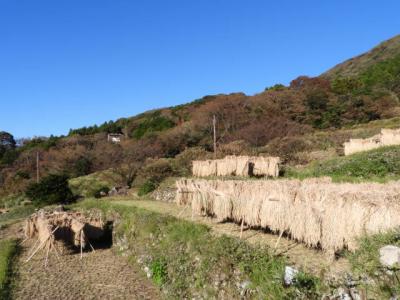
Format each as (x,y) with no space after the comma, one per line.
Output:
(69,63)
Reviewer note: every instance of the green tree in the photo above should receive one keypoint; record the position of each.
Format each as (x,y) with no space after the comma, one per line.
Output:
(52,189)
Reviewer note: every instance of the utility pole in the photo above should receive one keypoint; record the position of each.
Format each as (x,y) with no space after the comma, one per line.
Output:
(37,166)
(215,136)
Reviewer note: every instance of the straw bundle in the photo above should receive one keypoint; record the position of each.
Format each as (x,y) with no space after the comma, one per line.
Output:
(204,168)
(71,227)
(317,212)
(266,166)
(237,166)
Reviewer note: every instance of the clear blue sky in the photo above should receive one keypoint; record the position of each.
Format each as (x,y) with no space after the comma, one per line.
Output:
(69,63)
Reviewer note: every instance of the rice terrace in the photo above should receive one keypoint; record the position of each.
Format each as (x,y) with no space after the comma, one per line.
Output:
(289,189)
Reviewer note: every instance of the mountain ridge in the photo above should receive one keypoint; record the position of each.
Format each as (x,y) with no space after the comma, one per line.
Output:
(359,63)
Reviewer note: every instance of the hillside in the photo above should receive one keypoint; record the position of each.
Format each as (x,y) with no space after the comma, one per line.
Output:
(304,121)
(356,65)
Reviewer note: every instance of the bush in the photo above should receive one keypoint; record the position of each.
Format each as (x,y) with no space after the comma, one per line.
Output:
(147,187)
(182,163)
(157,170)
(52,189)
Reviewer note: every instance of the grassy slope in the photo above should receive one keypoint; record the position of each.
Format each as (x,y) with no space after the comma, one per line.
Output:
(8,249)
(380,165)
(187,260)
(87,186)
(15,214)
(358,64)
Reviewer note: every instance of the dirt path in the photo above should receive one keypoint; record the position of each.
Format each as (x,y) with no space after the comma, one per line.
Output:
(312,260)
(99,275)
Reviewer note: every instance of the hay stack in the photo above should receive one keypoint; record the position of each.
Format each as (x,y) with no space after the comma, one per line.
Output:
(71,227)
(317,212)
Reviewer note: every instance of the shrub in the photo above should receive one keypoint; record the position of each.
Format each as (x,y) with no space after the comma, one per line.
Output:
(345,85)
(50,190)
(147,187)
(182,163)
(157,170)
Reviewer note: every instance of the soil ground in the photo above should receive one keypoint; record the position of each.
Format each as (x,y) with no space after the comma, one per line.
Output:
(98,275)
(311,260)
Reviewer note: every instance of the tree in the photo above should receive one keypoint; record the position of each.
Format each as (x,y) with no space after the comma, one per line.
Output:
(51,189)
(82,166)
(133,159)
(8,153)
(7,140)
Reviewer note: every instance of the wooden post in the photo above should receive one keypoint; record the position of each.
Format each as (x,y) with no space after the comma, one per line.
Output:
(215,136)
(241,228)
(279,238)
(37,166)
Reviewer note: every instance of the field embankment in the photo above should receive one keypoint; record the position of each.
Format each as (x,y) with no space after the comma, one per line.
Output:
(188,260)
(379,165)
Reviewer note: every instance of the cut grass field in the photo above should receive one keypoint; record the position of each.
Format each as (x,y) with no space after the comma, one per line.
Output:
(379,165)
(8,249)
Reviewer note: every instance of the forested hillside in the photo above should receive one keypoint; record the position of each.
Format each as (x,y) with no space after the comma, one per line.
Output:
(279,120)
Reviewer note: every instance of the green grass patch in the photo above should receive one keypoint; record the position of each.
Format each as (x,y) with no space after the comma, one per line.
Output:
(91,185)
(8,249)
(13,200)
(365,263)
(15,214)
(147,188)
(380,165)
(188,261)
